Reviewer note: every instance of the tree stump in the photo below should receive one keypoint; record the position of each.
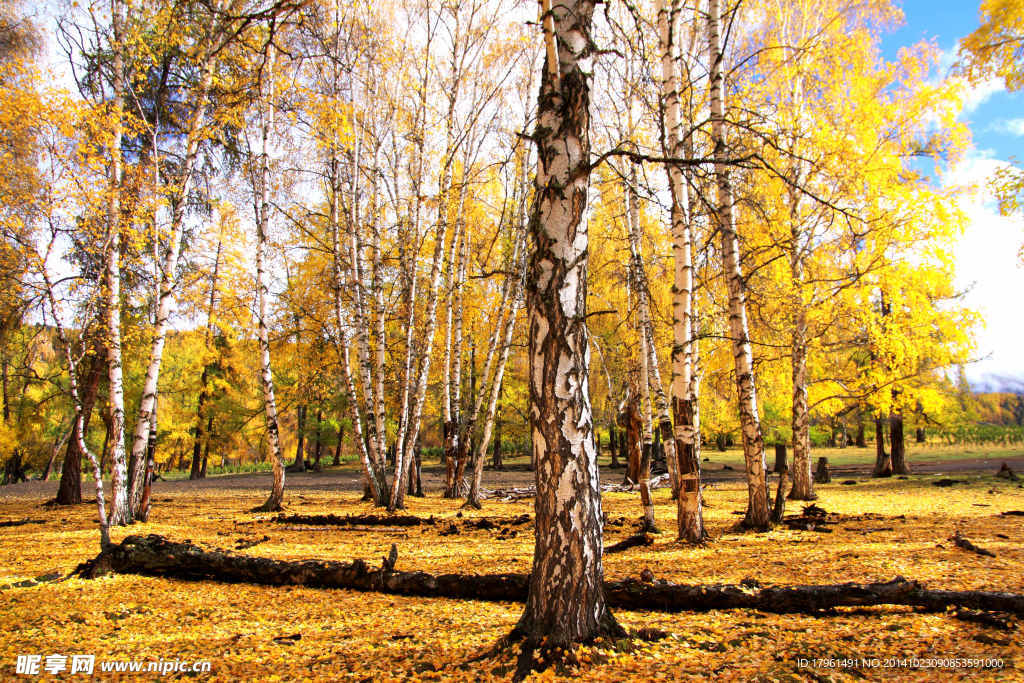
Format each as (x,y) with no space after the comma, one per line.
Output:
(822,475)
(1006,473)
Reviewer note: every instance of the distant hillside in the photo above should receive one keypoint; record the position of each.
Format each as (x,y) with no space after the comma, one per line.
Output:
(992,383)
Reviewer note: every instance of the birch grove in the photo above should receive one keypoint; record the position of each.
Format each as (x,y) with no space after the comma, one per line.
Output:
(399,231)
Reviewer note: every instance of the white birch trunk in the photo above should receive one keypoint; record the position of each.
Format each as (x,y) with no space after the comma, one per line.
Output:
(758,512)
(684,463)
(78,428)
(273,502)
(165,303)
(647,354)
(120,512)
(566,601)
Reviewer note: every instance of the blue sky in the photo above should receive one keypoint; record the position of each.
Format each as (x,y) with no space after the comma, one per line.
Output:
(986,257)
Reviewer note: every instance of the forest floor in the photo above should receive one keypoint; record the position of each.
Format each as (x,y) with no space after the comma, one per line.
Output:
(888,528)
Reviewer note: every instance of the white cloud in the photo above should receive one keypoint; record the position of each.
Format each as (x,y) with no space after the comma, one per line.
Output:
(1008,126)
(988,266)
(974,94)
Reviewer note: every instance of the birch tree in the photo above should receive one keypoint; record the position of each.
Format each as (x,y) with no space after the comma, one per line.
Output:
(261,207)
(758,512)
(566,602)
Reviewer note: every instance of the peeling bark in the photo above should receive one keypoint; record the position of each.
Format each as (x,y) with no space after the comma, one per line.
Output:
(565,602)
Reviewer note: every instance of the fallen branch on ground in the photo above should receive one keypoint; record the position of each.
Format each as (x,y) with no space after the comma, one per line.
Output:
(966,544)
(157,556)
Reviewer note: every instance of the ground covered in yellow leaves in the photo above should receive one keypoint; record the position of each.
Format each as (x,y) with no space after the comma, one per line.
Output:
(248,632)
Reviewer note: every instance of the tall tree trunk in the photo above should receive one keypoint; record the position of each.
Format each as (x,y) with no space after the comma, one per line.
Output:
(513,291)
(453,415)
(566,602)
(166,302)
(273,502)
(758,510)
(120,512)
(369,442)
(803,482)
(196,471)
(648,359)
(681,442)
(419,388)
(4,382)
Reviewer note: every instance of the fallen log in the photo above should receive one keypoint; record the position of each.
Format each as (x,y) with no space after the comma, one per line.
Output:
(21,522)
(362,522)
(512,494)
(155,555)
(355,520)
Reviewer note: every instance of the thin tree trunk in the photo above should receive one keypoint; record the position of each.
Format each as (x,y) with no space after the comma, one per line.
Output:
(369,455)
(120,513)
(166,302)
(337,446)
(453,415)
(78,430)
(58,445)
(206,447)
(69,491)
(300,444)
(566,602)
(418,395)
(200,434)
(648,359)
(898,445)
(513,291)
(273,502)
(681,442)
(883,462)
(496,454)
(758,511)
(317,445)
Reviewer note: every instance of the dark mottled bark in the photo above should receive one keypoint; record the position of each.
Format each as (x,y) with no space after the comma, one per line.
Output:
(565,602)
(896,442)
(69,492)
(883,463)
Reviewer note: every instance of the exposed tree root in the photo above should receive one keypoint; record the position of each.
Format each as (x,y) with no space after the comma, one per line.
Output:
(157,556)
